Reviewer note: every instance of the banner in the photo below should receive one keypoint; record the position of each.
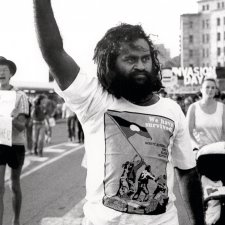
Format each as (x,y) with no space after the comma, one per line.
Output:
(7,102)
(186,79)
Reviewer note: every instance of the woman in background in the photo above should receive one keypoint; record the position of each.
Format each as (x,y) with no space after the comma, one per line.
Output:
(206,118)
(206,122)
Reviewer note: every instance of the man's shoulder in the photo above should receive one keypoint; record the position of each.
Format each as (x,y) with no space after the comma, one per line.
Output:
(169,102)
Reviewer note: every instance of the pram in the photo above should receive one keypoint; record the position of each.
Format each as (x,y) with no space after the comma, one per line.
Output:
(211,167)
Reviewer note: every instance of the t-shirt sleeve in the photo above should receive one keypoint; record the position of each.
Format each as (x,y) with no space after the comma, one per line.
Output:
(182,154)
(85,96)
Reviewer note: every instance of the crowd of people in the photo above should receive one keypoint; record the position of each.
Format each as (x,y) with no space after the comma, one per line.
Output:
(42,118)
(136,137)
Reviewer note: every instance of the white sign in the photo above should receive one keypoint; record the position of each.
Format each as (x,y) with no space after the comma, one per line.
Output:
(194,75)
(7,103)
(6,130)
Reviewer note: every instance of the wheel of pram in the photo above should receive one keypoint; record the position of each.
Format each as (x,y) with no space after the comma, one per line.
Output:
(212,166)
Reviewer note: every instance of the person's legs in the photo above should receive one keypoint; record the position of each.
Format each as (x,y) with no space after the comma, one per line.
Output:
(18,155)
(35,133)
(2,190)
(16,194)
(69,128)
(41,140)
(80,133)
(73,128)
(29,142)
(49,135)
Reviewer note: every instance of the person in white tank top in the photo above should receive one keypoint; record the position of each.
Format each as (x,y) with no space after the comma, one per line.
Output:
(206,123)
(206,117)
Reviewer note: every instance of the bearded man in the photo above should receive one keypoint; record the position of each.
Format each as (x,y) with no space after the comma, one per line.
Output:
(122,116)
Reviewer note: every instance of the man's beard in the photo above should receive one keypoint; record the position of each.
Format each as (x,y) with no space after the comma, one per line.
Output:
(133,87)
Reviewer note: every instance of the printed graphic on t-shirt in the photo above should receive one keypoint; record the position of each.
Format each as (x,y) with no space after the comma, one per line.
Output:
(135,162)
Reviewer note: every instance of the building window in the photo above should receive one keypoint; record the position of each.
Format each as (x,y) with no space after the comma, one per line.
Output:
(218,36)
(207,52)
(218,21)
(190,39)
(203,38)
(207,38)
(224,20)
(203,24)
(223,5)
(203,53)
(218,52)
(218,64)
(218,5)
(190,53)
(207,7)
(190,24)
(203,8)
(207,23)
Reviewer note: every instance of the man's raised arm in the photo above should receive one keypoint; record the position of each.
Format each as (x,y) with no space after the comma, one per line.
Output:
(63,68)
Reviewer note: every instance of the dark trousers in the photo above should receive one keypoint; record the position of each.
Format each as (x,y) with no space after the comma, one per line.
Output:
(71,127)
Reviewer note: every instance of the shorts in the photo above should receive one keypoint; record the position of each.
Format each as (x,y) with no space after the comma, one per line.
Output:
(13,156)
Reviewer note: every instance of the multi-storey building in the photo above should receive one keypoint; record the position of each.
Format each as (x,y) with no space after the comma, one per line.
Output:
(203,35)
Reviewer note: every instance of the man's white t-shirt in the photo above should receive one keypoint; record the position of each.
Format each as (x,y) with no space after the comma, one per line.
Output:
(131,151)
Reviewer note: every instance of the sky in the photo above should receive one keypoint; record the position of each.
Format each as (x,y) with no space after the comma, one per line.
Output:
(82,24)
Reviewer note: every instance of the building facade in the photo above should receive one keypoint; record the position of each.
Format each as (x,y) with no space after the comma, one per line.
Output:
(203,35)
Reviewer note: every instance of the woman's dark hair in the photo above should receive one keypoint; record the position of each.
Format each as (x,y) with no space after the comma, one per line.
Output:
(39,98)
(108,49)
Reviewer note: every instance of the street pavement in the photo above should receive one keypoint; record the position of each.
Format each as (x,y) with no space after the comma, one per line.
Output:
(60,149)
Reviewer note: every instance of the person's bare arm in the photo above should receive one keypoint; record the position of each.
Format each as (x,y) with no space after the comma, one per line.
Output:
(191,123)
(63,68)
(19,122)
(223,121)
(191,193)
